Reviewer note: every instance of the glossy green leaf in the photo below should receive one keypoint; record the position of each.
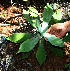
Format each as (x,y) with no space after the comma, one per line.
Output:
(26,54)
(19,37)
(44,27)
(66,65)
(28,45)
(33,12)
(66,38)
(53,21)
(55,50)
(69,52)
(54,6)
(68,60)
(68,55)
(69,66)
(37,24)
(41,53)
(26,15)
(47,14)
(57,15)
(54,40)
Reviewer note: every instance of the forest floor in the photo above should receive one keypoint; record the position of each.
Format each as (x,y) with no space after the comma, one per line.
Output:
(10,61)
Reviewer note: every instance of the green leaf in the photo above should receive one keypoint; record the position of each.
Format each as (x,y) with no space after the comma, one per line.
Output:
(69,52)
(68,60)
(26,15)
(19,37)
(66,38)
(47,14)
(41,53)
(53,21)
(55,6)
(44,27)
(55,50)
(28,45)
(26,54)
(54,40)
(57,15)
(66,65)
(37,24)
(69,66)
(33,12)
(68,55)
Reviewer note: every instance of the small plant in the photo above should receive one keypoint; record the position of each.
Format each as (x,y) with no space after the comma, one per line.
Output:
(29,41)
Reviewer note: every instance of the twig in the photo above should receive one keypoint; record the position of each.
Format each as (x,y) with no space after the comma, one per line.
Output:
(5,24)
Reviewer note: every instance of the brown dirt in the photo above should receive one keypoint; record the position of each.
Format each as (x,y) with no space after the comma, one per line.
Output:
(52,62)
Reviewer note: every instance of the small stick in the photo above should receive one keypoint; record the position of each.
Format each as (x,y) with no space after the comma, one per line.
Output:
(5,24)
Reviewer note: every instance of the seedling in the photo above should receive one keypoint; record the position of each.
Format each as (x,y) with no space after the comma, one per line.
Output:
(29,41)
